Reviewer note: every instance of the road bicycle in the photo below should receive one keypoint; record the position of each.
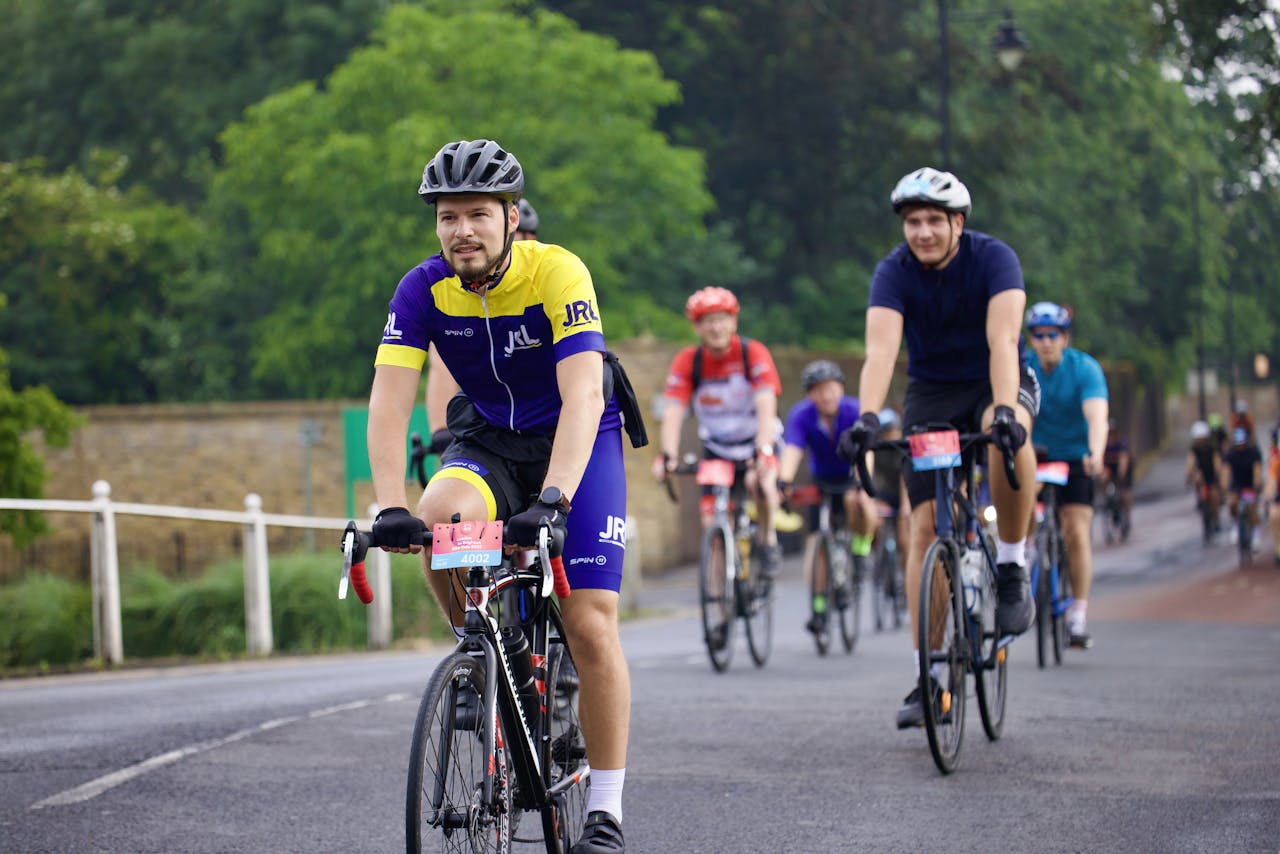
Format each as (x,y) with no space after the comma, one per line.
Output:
(1112,515)
(833,572)
(956,631)
(497,732)
(888,587)
(730,584)
(1050,581)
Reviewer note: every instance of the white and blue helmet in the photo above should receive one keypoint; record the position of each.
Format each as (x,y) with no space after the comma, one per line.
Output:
(928,186)
(1048,314)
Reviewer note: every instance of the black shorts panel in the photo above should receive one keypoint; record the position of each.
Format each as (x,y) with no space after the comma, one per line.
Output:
(1079,486)
(514,484)
(961,405)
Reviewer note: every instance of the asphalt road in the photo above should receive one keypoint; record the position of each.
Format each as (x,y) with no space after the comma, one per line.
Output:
(1161,738)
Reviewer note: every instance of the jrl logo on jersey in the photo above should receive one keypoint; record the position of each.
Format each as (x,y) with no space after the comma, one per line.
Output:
(615,531)
(579,313)
(518,339)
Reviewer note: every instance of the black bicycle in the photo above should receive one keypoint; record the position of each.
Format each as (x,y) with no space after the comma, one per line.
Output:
(956,627)
(888,586)
(1050,580)
(497,732)
(730,584)
(833,573)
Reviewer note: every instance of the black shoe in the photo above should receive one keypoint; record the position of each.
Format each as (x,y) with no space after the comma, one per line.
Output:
(1015,609)
(602,834)
(466,713)
(912,712)
(1083,640)
(817,624)
(770,561)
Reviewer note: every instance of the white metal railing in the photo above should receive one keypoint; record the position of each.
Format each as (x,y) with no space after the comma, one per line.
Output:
(108,643)
(104,562)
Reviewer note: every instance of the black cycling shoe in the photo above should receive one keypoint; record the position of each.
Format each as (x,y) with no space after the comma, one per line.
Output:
(602,834)
(817,624)
(466,713)
(912,712)
(770,561)
(1015,609)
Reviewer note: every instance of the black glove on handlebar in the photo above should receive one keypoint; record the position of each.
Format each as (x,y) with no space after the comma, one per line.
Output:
(440,439)
(1007,434)
(858,439)
(522,529)
(397,528)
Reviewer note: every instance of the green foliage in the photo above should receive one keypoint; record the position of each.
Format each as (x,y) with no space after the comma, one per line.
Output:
(47,620)
(326,178)
(89,272)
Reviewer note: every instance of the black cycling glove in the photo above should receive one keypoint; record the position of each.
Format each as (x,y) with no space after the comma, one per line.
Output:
(858,439)
(440,439)
(522,528)
(397,528)
(1007,433)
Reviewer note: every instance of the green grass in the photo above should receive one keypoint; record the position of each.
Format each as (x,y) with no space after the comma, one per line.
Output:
(48,620)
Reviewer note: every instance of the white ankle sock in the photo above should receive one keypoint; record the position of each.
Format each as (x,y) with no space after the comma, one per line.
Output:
(1011,552)
(606,791)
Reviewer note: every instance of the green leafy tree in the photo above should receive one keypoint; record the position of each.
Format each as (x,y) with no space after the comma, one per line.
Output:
(323,180)
(91,274)
(21,466)
(156,80)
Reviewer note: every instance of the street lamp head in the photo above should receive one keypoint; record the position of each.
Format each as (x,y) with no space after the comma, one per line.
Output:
(1009,44)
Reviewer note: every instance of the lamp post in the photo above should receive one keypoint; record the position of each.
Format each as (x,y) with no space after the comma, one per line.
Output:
(1009,46)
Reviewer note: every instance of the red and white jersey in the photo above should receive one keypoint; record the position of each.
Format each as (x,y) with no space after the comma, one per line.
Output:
(724,401)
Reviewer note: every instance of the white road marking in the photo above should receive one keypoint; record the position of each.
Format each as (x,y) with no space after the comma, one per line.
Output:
(93,788)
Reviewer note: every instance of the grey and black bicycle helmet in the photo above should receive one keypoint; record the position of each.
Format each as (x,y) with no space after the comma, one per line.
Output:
(819,372)
(928,186)
(472,166)
(528,217)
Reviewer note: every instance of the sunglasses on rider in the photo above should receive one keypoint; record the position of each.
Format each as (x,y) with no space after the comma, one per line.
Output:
(1052,335)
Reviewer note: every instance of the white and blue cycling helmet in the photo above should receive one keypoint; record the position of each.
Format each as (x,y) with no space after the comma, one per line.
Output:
(929,186)
(1048,314)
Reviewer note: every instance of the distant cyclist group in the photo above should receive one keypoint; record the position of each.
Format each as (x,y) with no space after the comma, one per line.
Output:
(529,408)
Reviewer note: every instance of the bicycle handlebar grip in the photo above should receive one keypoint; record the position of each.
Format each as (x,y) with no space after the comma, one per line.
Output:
(560,579)
(360,583)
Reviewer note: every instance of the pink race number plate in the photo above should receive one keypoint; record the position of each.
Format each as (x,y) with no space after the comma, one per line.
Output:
(463,544)
(937,450)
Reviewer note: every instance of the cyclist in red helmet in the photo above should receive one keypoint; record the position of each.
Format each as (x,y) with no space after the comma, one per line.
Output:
(733,387)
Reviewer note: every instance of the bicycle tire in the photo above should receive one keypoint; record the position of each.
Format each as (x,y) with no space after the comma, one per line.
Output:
(1061,599)
(881,592)
(717,597)
(447,768)
(565,753)
(942,612)
(849,601)
(1244,536)
(991,673)
(821,560)
(1042,571)
(755,596)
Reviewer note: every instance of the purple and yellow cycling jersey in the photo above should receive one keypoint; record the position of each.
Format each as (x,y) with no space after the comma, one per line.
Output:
(502,347)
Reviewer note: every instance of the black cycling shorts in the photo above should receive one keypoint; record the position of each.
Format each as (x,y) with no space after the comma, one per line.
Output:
(961,405)
(836,501)
(1079,486)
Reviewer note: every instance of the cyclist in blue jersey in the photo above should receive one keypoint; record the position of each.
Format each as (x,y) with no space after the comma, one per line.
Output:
(1072,426)
(814,425)
(956,298)
(519,374)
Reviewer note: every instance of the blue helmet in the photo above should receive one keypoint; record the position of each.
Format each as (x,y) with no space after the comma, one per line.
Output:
(1048,314)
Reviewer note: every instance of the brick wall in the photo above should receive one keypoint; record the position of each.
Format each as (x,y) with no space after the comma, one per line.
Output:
(211,456)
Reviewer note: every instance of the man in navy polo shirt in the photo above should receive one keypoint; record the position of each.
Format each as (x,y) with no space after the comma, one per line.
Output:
(957,298)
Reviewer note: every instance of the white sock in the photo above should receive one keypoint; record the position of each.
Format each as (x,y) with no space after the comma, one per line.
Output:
(606,791)
(1012,552)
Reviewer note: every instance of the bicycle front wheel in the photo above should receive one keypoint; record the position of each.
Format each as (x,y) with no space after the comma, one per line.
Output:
(459,792)
(1042,572)
(821,594)
(943,646)
(991,673)
(1061,600)
(717,596)
(564,761)
(848,594)
(756,598)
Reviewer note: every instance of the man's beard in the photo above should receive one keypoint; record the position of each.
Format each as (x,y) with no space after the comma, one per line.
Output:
(475,267)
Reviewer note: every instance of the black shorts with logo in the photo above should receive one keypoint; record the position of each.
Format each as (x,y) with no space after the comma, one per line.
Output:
(961,405)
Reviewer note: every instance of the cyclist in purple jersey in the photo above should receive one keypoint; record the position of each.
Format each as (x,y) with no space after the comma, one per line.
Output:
(520,375)
(814,426)
(956,298)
